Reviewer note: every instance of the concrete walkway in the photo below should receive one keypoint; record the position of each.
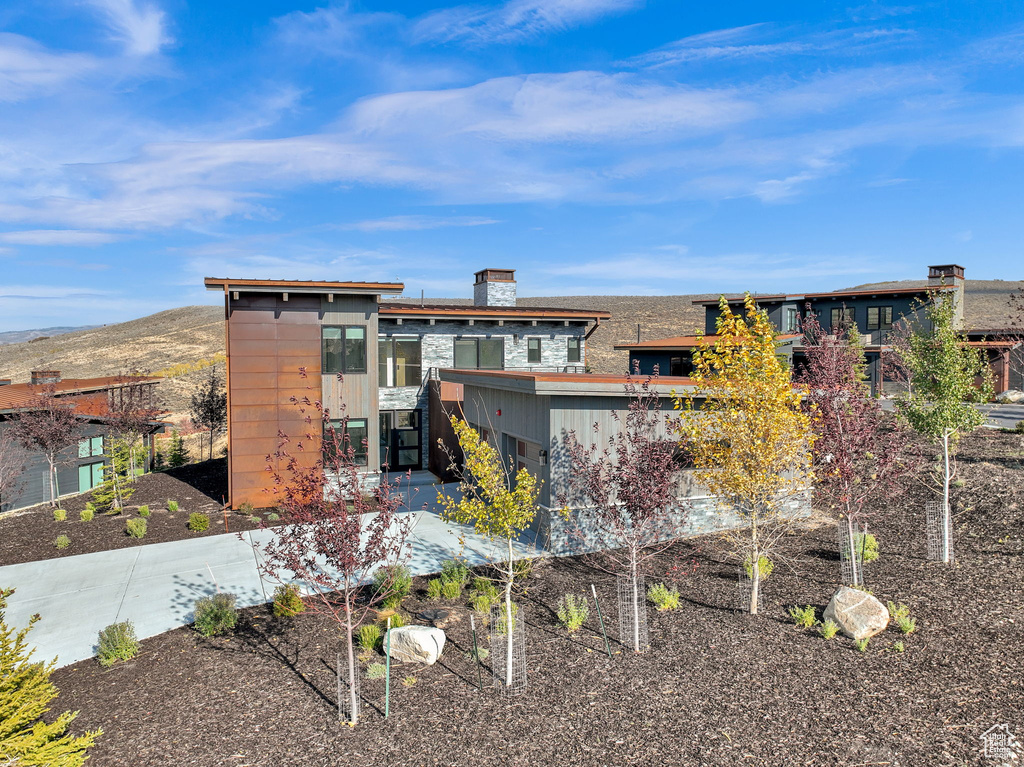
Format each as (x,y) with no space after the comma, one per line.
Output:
(156,586)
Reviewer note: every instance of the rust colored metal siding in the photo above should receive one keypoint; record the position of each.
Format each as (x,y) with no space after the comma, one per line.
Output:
(445,399)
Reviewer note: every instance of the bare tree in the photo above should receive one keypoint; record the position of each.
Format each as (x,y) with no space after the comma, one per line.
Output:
(13,460)
(208,405)
(48,425)
(623,497)
(132,409)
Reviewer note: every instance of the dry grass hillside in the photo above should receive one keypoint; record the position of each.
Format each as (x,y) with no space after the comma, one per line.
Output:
(192,334)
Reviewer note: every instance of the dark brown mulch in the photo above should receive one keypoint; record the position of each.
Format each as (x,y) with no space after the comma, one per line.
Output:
(716,688)
(29,535)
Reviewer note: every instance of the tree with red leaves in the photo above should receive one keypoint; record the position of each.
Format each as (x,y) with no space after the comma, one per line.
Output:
(48,425)
(12,466)
(623,497)
(131,409)
(340,531)
(860,453)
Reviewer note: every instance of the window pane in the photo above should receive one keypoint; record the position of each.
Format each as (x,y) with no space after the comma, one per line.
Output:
(533,350)
(887,315)
(331,345)
(83,449)
(407,362)
(492,354)
(355,349)
(384,359)
(872,318)
(410,438)
(574,350)
(97,446)
(465,352)
(407,419)
(408,457)
(355,435)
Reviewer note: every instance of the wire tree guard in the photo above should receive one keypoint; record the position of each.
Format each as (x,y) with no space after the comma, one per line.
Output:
(744,586)
(939,530)
(500,657)
(851,556)
(633,612)
(345,712)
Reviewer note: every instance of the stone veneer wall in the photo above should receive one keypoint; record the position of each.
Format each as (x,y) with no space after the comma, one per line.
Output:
(437,350)
(494,294)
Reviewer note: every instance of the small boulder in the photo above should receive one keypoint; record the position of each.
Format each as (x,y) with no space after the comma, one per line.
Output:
(415,644)
(1010,396)
(858,614)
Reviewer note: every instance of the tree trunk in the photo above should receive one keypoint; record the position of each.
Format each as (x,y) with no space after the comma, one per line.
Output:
(945,497)
(755,569)
(53,481)
(352,698)
(508,618)
(636,602)
(854,571)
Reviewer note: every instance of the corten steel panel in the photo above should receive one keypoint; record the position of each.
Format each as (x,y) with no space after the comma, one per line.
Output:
(261,445)
(269,397)
(241,381)
(246,430)
(252,464)
(254,331)
(254,347)
(242,365)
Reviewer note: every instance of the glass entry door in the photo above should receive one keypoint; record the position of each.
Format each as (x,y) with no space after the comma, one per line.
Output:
(400,440)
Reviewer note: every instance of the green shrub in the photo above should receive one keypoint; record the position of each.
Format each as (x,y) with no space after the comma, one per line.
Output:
(898,646)
(434,588)
(397,620)
(898,611)
(409,681)
(395,581)
(376,671)
(253,519)
(117,642)
(172,505)
(480,654)
(481,602)
(287,601)
(451,589)
(90,506)
(484,586)
(247,509)
(86,515)
(369,636)
(573,612)
(764,565)
(215,614)
(59,515)
(272,517)
(62,542)
(144,511)
(198,522)
(802,616)
(483,594)
(1019,428)
(868,545)
(829,628)
(523,568)
(906,624)
(501,626)
(136,528)
(862,645)
(455,571)
(663,597)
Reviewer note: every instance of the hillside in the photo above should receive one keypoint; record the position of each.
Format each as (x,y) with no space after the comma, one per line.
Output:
(194,333)
(38,334)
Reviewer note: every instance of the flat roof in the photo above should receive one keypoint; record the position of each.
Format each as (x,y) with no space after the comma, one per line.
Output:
(831,294)
(683,342)
(22,395)
(562,384)
(303,286)
(413,311)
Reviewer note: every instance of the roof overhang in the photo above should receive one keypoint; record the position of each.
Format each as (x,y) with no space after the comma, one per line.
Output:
(562,384)
(304,286)
(510,313)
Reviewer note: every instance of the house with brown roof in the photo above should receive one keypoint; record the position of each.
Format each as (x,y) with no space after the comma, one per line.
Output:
(81,464)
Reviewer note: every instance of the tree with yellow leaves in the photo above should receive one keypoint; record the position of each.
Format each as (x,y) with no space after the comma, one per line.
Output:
(747,434)
(498,502)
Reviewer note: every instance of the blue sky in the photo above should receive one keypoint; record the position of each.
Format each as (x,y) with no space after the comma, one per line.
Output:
(596,146)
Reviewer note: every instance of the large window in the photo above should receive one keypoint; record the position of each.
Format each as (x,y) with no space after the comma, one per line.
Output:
(879,317)
(533,350)
(480,353)
(791,321)
(344,348)
(844,317)
(399,362)
(351,434)
(90,475)
(573,352)
(90,446)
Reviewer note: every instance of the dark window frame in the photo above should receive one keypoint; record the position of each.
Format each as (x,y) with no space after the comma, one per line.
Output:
(530,351)
(345,367)
(843,315)
(476,342)
(361,449)
(882,312)
(391,360)
(573,347)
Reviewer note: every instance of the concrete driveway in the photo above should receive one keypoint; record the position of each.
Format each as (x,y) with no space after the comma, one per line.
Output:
(999,416)
(156,586)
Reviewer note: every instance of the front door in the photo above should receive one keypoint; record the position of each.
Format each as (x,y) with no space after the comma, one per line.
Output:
(400,440)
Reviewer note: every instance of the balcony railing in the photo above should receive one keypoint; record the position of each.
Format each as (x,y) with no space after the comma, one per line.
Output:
(433,374)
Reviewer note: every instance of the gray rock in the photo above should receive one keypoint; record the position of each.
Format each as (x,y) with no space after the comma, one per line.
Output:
(415,644)
(858,614)
(1010,396)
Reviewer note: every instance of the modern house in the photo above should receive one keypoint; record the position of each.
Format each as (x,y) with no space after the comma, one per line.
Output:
(376,361)
(874,313)
(81,464)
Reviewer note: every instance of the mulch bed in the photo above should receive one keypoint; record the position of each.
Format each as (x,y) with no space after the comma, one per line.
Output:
(717,687)
(29,535)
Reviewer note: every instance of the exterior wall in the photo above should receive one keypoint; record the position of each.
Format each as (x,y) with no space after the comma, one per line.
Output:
(493,293)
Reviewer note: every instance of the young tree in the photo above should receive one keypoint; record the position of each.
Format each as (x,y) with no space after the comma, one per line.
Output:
(13,461)
(949,379)
(177,455)
(624,496)
(860,453)
(26,737)
(340,532)
(131,410)
(116,488)
(747,431)
(498,501)
(48,425)
(208,405)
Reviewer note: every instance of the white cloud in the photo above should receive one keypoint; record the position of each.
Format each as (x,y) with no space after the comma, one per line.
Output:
(515,20)
(138,25)
(27,69)
(59,237)
(416,223)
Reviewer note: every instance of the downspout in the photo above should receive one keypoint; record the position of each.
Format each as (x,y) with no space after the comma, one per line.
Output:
(227,391)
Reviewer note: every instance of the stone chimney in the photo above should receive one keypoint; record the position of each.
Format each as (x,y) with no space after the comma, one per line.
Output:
(950,275)
(495,287)
(45,376)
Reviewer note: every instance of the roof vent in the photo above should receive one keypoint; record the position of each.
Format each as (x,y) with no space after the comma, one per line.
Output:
(45,376)
(495,287)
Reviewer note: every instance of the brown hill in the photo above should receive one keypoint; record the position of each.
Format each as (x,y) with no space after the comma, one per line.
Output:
(195,334)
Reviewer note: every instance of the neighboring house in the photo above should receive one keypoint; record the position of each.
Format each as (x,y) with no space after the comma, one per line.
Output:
(874,312)
(388,355)
(82,464)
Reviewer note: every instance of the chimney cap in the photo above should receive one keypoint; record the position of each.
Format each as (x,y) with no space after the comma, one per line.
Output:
(45,376)
(495,275)
(946,270)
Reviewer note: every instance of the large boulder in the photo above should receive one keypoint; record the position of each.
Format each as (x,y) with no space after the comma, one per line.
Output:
(415,644)
(1010,396)
(858,614)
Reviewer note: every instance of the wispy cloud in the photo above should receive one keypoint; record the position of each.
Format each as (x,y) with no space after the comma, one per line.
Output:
(140,26)
(28,69)
(514,20)
(59,237)
(416,223)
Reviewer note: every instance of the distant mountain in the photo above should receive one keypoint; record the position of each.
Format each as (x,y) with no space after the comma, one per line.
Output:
(19,336)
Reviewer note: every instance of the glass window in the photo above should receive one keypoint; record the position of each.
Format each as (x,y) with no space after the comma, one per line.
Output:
(90,446)
(879,317)
(465,353)
(399,363)
(573,354)
(480,353)
(533,350)
(354,436)
(843,316)
(344,348)
(792,324)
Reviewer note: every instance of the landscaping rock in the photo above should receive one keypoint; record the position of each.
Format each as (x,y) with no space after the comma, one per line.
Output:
(858,614)
(1011,396)
(416,644)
